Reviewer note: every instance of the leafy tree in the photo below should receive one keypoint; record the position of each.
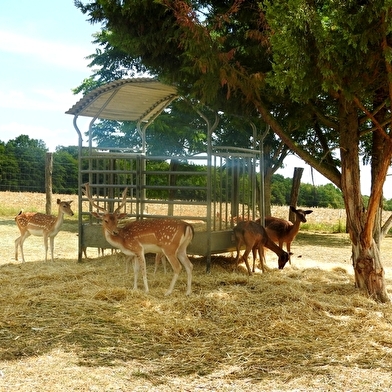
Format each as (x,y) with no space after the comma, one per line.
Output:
(65,170)
(30,156)
(179,129)
(330,59)
(9,168)
(280,190)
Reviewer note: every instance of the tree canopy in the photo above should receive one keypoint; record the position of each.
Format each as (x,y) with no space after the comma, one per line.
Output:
(317,72)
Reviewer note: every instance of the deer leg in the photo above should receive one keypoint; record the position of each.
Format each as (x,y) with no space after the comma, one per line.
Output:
(245,257)
(174,262)
(160,257)
(163,261)
(128,261)
(46,247)
(183,257)
(254,253)
(20,241)
(288,246)
(51,241)
(140,262)
(238,247)
(136,268)
(17,241)
(262,257)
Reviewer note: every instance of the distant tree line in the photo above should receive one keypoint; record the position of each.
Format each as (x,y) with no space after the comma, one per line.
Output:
(22,169)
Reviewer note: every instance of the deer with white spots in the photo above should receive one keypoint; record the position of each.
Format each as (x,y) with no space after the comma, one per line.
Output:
(47,226)
(167,235)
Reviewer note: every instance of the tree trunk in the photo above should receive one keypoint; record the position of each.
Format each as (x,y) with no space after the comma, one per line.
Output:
(369,274)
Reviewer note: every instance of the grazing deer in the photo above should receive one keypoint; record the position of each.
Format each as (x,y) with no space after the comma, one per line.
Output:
(282,231)
(255,238)
(47,226)
(167,235)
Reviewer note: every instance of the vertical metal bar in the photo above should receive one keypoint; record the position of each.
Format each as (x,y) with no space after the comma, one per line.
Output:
(80,209)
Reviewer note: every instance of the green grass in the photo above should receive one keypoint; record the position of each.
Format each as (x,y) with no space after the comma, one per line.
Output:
(322,227)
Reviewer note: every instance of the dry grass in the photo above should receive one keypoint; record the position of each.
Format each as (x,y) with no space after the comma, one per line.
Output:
(68,326)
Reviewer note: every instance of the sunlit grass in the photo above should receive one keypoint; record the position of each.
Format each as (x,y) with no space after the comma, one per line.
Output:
(323,227)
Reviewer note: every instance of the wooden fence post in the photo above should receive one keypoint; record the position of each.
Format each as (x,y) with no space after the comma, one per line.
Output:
(48,181)
(295,190)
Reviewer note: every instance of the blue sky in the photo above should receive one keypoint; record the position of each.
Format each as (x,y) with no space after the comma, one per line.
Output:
(43,45)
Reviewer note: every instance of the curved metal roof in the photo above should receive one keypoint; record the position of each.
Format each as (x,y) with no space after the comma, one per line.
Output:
(139,99)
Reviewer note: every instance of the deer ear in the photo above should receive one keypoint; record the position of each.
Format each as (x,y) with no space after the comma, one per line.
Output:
(96,214)
(308,211)
(293,208)
(121,216)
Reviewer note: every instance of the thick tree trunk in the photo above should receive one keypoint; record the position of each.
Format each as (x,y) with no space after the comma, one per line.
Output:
(369,274)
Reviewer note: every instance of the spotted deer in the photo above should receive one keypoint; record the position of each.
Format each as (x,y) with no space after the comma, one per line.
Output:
(167,235)
(255,239)
(282,231)
(47,226)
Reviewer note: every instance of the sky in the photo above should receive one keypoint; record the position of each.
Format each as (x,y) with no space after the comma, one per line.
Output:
(43,50)
(43,46)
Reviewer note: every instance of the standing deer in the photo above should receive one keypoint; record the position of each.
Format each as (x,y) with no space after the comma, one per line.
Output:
(167,235)
(282,231)
(47,226)
(255,238)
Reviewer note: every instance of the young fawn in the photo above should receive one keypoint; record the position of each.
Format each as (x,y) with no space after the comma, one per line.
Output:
(255,238)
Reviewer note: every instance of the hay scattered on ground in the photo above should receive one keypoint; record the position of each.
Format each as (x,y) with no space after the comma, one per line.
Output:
(67,326)
(296,329)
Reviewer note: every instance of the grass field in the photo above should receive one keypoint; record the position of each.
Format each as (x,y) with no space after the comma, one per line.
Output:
(68,326)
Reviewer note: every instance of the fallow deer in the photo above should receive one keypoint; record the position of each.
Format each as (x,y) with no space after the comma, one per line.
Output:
(255,238)
(282,231)
(167,235)
(47,226)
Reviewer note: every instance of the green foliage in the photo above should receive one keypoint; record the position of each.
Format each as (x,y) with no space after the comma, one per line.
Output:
(188,184)
(65,170)
(24,166)
(388,205)
(31,155)
(280,190)
(291,59)
(327,196)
